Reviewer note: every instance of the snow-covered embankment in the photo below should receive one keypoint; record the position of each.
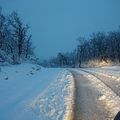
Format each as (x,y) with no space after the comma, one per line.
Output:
(56,102)
(70,99)
(30,92)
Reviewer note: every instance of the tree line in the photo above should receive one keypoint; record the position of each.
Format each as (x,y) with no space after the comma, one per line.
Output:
(15,40)
(98,46)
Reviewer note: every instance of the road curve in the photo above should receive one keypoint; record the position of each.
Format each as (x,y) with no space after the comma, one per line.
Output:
(110,81)
(87,103)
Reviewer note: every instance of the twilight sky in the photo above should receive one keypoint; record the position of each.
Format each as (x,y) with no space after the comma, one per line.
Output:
(56,24)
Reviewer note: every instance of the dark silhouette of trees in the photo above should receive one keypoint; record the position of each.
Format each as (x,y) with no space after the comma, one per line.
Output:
(15,42)
(62,59)
(99,46)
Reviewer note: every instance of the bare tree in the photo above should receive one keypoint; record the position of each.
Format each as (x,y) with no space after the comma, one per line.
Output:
(20,36)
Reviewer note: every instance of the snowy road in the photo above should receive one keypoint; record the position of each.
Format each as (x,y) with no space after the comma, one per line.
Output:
(30,92)
(97,94)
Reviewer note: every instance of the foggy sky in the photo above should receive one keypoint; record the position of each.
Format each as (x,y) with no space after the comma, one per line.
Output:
(56,24)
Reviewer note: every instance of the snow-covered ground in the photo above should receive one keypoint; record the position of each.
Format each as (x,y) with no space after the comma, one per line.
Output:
(111,71)
(29,92)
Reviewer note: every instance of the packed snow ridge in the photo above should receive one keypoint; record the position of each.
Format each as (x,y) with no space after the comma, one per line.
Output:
(30,92)
(55,103)
(110,100)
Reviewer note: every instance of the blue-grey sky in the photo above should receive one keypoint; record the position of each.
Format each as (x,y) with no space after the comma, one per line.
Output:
(56,24)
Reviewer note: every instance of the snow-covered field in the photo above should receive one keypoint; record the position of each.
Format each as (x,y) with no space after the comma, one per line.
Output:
(29,92)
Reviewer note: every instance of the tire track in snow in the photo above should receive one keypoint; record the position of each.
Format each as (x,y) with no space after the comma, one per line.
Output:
(107,80)
(107,97)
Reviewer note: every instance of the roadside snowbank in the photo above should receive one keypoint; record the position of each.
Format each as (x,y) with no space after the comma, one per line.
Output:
(55,102)
(108,98)
(29,92)
(111,72)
